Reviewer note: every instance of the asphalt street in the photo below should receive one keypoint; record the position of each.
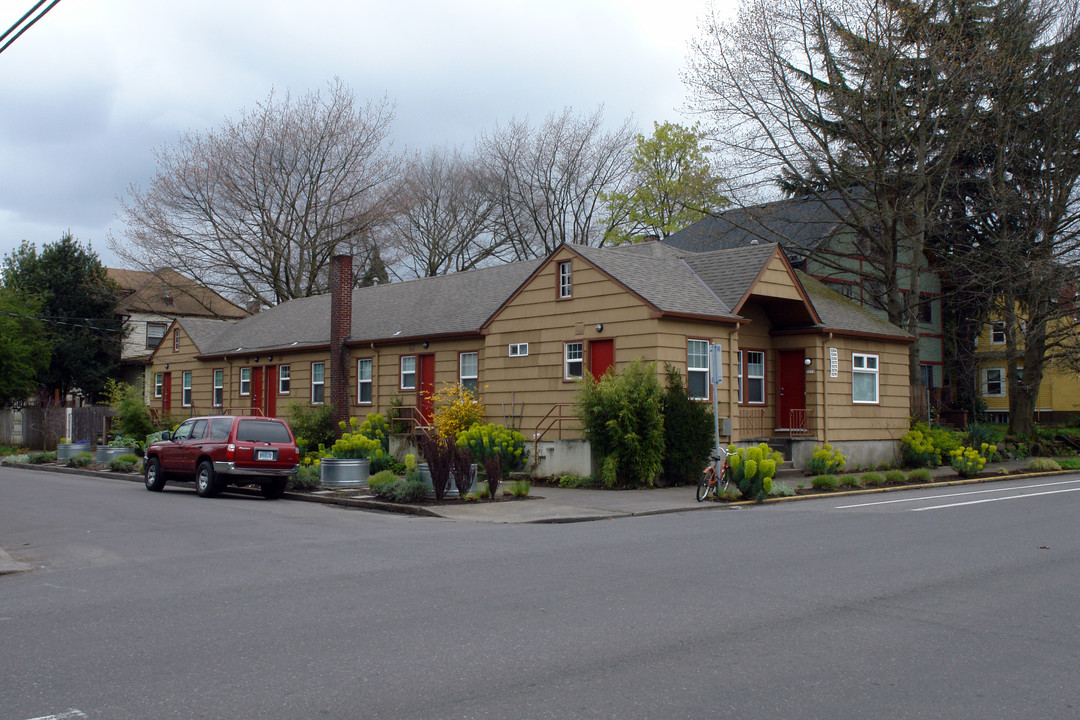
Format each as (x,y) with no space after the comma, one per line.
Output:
(943,603)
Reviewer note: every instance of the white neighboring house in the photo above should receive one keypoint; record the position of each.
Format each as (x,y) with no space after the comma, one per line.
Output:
(151,301)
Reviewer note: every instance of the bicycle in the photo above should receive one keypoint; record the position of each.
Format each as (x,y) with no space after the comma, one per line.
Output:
(710,478)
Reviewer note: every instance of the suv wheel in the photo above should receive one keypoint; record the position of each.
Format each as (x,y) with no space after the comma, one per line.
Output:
(275,488)
(155,479)
(206,485)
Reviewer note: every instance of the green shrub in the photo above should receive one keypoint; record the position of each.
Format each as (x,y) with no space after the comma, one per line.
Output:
(519,488)
(977,435)
(1043,465)
(848,481)
(488,441)
(917,450)
(1069,463)
(896,476)
(919,476)
(400,491)
(825,461)
(40,458)
(967,462)
(381,478)
(124,463)
(356,444)
(577,481)
(688,432)
(825,482)
(480,491)
(81,460)
(782,490)
(621,416)
(872,479)
(306,478)
(752,470)
(132,417)
(312,426)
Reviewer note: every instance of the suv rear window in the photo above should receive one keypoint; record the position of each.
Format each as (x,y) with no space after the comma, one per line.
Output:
(220,427)
(262,431)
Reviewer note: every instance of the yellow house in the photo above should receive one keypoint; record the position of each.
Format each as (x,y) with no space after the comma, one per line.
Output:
(802,364)
(1059,392)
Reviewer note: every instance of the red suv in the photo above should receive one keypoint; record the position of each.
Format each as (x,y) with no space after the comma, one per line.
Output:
(223,450)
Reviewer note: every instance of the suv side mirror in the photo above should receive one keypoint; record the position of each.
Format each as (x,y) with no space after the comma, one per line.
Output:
(166,435)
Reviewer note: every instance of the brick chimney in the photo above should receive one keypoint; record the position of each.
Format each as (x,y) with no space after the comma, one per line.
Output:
(341,282)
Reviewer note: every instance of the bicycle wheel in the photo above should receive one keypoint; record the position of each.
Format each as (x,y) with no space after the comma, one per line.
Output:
(708,480)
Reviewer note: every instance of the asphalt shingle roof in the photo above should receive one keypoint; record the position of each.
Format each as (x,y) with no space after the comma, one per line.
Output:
(839,313)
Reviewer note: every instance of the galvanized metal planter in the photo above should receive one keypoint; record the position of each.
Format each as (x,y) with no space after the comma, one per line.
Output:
(344,472)
(66,451)
(108,453)
(451,491)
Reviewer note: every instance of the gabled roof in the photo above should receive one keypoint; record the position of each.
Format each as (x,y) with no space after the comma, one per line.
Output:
(454,304)
(799,225)
(201,331)
(167,292)
(841,314)
(660,276)
(731,272)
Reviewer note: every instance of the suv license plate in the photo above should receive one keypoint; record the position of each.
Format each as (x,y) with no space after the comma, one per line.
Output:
(265,455)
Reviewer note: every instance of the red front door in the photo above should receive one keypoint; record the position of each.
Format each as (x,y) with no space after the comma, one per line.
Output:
(271,390)
(790,390)
(257,391)
(166,392)
(426,371)
(601,357)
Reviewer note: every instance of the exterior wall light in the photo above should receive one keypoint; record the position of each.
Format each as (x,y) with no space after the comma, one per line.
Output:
(599,327)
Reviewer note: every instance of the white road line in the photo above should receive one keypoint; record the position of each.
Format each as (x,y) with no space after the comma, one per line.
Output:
(71,714)
(956,494)
(997,499)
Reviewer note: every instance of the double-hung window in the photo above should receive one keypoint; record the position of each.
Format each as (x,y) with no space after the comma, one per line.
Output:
(573,360)
(318,383)
(408,372)
(997,333)
(155,333)
(284,379)
(566,284)
(469,372)
(219,388)
(755,377)
(864,378)
(697,369)
(363,381)
(993,382)
(185,395)
(245,381)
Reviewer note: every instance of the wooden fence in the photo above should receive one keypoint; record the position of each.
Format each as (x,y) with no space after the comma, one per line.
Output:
(42,427)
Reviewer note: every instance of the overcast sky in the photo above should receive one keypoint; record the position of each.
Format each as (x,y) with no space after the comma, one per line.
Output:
(90,91)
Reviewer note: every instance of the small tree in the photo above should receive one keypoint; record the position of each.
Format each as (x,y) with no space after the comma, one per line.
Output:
(622,417)
(132,419)
(24,349)
(688,432)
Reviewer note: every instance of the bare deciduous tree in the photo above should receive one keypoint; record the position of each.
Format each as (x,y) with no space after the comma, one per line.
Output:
(545,184)
(441,216)
(256,208)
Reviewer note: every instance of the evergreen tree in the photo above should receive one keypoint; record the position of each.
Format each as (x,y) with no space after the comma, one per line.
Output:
(78,309)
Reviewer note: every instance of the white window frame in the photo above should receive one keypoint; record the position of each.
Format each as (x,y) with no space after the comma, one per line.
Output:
(408,370)
(997,328)
(469,379)
(284,379)
(519,349)
(176,341)
(185,389)
(362,381)
(751,380)
(576,358)
(861,366)
(245,381)
(701,368)
(1001,384)
(320,384)
(566,280)
(159,382)
(218,397)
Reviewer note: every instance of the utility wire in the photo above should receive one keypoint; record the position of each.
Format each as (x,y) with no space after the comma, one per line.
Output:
(28,25)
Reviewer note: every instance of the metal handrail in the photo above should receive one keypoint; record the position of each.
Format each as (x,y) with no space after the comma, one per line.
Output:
(541,430)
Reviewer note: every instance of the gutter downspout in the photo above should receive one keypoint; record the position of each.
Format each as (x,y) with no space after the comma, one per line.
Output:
(824,390)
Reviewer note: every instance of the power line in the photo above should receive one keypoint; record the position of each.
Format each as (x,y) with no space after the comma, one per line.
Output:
(28,25)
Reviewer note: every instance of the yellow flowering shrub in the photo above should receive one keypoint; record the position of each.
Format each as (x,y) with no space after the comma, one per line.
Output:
(454,409)
(968,461)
